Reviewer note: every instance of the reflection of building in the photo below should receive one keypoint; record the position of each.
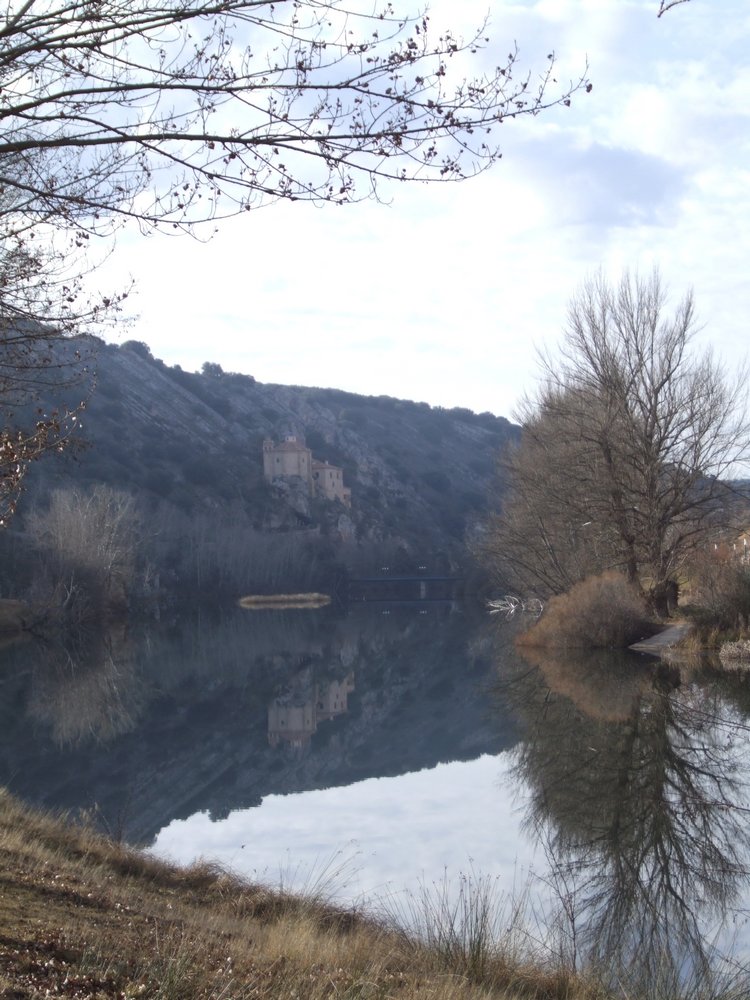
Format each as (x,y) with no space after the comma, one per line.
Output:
(294,717)
(292,458)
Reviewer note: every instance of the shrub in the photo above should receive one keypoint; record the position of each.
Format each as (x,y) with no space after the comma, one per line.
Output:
(720,594)
(601,611)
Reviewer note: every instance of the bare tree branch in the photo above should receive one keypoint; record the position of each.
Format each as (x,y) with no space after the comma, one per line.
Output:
(666,5)
(626,445)
(216,107)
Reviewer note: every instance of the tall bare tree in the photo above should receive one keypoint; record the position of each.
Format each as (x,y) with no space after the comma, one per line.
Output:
(627,444)
(178,112)
(86,545)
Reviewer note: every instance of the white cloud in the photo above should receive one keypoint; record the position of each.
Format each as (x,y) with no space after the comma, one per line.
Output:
(382,835)
(443,294)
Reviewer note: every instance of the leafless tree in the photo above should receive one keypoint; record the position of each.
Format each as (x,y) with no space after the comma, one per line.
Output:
(219,105)
(87,544)
(19,448)
(176,113)
(544,540)
(628,442)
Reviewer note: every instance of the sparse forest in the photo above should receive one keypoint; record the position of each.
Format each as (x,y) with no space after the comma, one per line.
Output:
(177,510)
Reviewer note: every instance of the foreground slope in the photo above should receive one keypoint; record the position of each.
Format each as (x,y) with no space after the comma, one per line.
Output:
(83,917)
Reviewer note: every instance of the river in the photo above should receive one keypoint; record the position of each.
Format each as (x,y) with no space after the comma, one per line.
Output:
(384,754)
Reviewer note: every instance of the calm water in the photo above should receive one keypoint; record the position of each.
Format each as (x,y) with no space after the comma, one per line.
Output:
(386,750)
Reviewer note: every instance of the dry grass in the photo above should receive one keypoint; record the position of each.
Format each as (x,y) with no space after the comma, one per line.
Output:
(83,917)
(600,612)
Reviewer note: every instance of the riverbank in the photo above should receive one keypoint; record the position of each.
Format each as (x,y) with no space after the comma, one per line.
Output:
(81,916)
(85,917)
(283,602)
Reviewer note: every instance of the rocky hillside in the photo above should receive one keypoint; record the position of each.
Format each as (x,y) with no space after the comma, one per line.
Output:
(420,476)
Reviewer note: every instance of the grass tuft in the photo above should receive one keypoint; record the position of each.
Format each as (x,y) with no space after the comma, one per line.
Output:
(82,916)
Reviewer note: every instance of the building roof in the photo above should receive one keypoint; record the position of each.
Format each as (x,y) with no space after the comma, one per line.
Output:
(290,446)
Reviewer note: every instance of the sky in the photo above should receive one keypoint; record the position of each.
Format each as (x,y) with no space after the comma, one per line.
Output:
(376,839)
(447,293)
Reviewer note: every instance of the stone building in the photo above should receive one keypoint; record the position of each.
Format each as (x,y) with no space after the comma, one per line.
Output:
(291,458)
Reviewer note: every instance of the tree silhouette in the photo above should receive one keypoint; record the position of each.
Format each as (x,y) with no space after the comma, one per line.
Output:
(638,794)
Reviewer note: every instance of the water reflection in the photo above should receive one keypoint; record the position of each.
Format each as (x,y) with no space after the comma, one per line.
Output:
(633,775)
(214,715)
(638,791)
(86,688)
(293,717)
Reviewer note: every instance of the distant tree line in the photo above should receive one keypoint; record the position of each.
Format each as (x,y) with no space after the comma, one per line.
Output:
(92,555)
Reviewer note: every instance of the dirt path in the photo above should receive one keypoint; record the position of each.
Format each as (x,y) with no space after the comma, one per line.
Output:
(656,644)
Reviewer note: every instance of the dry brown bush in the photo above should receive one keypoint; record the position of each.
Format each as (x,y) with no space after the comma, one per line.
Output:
(600,611)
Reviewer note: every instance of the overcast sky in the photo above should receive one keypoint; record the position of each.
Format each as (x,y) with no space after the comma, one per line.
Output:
(377,837)
(445,294)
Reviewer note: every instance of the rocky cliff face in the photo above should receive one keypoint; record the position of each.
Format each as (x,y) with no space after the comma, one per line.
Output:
(419,475)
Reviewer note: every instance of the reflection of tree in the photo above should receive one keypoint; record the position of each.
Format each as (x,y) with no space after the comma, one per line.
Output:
(637,792)
(87,688)
(190,700)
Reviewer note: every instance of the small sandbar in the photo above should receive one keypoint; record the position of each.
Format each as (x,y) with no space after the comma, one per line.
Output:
(282,602)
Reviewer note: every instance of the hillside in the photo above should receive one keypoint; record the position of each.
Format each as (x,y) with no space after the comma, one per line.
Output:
(85,917)
(192,443)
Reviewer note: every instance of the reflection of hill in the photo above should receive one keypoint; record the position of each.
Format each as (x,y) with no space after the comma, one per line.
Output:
(197,708)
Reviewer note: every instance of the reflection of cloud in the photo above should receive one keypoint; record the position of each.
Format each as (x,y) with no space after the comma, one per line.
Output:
(416,826)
